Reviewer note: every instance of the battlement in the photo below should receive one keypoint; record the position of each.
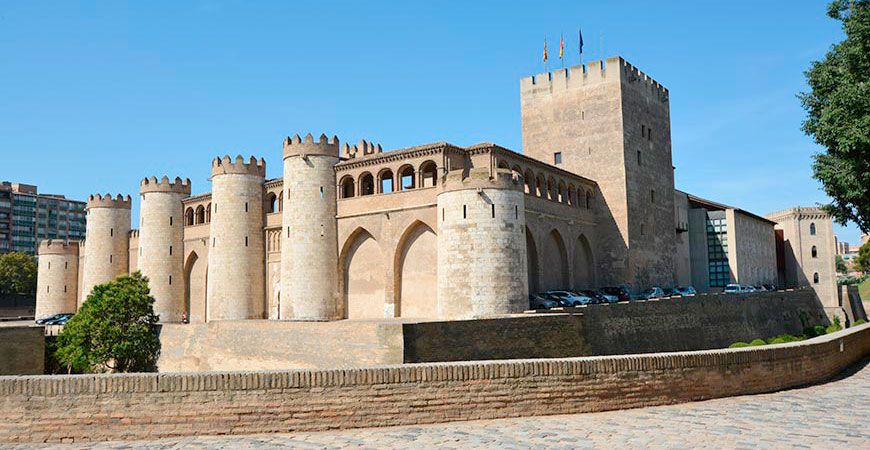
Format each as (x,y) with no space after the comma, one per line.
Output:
(798,212)
(226,165)
(58,247)
(480,178)
(297,146)
(107,201)
(363,148)
(614,69)
(177,186)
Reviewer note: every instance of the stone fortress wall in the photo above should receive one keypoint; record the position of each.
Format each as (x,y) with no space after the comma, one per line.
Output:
(58,270)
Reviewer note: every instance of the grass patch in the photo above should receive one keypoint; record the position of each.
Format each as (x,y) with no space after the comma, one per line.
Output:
(864,290)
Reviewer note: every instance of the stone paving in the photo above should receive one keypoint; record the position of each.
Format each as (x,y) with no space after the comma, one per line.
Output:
(833,415)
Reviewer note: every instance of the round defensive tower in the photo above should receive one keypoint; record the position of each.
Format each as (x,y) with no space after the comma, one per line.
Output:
(57,277)
(161,243)
(107,245)
(481,245)
(309,236)
(236,261)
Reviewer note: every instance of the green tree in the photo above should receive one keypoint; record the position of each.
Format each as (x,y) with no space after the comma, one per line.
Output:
(841,265)
(114,330)
(17,273)
(862,262)
(838,115)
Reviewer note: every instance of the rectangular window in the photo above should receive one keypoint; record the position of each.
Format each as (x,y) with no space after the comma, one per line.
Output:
(652,196)
(170,250)
(493,210)
(557,158)
(464,212)
(639,160)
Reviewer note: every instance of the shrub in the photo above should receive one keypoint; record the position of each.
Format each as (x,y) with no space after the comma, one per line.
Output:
(783,338)
(860,322)
(115,329)
(738,345)
(756,342)
(836,326)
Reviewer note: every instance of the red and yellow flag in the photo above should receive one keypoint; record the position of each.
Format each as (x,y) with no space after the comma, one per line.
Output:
(545,49)
(561,46)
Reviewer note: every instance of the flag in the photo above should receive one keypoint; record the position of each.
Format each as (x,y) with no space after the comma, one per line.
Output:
(580,32)
(561,46)
(545,49)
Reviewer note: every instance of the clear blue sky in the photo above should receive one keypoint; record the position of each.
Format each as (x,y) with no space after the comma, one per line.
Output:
(97,95)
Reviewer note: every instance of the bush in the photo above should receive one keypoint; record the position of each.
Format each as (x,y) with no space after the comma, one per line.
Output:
(860,322)
(738,345)
(115,330)
(836,326)
(784,338)
(756,342)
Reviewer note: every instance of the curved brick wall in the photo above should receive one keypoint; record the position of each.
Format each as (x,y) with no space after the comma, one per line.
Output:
(147,406)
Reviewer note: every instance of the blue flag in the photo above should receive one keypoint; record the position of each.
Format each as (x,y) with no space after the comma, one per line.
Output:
(580,32)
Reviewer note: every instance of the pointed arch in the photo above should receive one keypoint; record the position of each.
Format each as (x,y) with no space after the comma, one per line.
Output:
(195,282)
(532,263)
(554,262)
(584,275)
(362,278)
(415,274)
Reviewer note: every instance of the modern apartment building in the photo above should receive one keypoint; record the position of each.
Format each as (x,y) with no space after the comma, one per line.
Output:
(27,217)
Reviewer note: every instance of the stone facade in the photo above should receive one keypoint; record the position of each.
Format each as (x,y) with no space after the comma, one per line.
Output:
(435,231)
(58,272)
(808,253)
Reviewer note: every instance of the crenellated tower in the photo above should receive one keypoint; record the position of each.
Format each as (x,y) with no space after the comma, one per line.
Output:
(482,266)
(161,243)
(309,249)
(236,261)
(107,250)
(57,278)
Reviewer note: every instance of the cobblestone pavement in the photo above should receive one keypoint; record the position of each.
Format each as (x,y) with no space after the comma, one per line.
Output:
(834,415)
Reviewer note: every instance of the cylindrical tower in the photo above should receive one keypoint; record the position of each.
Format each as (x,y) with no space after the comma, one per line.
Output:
(161,243)
(107,246)
(481,245)
(57,277)
(236,257)
(309,247)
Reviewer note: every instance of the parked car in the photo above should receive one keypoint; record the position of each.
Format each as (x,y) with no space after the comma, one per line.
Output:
(670,292)
(686,291)
(541,302)
(621,292)
(769,287)
(601,296)
(653,292)
(568,298)
(57,319)
(738,289)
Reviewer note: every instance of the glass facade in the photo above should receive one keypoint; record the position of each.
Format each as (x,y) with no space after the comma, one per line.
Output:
(717,249)
(26,218)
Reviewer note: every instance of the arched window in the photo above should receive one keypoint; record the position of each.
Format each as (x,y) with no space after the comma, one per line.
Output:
(406,178)
(812,229)
(530,182)
(551,190)
(366,184)
(428,174)
(588,199)
(188,216)
(271,203)
(208,213)
(347,187)
(816,278)
(200,215)
(281,200)
(385,181)
(561,196)
(815,252)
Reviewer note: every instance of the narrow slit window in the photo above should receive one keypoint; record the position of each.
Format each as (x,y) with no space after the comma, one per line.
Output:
(213,242)
(493,210)
(246,206)
(321,192)
(288,231)
(110,259)
(111,231)
(170,250)
(170,279)
(464,211)
(170,221)
(516,212)
(246,241)
(49,265)
(64,289)
(65,265)
(639,158)
(442,214)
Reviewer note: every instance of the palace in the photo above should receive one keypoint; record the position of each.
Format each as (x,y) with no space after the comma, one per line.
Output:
(435,231)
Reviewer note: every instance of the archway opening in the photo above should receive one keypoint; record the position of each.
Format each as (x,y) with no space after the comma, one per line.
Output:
(363,278)
(428,174)
(347,187)
(416,273)
(366,184)
(532,262)
(554,262)
(583,264)
(406,178)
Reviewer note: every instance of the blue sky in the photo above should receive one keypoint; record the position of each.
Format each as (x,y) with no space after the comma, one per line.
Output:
(97,95)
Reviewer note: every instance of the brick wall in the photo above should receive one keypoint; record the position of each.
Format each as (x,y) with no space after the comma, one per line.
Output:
(147,406)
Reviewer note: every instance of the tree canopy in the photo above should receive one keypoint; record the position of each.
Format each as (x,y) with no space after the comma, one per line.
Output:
(838,115)
(114,330)
(17,273)
(862,262)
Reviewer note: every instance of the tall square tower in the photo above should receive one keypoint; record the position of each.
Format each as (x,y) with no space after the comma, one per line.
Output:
(611,123)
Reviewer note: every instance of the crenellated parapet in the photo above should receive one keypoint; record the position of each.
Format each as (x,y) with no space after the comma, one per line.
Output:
(481,178)
(107,201)
(363,148)
(613,69)
(297,146)
(177,186)
(58,247)
(226,165)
